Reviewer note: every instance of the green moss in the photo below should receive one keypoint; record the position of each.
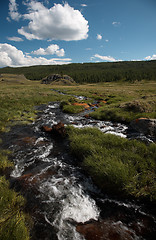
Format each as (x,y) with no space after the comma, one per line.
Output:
(117,165)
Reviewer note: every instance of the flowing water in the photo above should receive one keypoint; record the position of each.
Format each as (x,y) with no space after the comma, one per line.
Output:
(63,202)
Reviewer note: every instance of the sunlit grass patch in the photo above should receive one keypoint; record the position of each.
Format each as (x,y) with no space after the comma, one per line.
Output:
(117,165)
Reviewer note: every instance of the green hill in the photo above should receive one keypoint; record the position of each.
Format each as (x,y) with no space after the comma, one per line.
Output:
(91,72)
(13,78)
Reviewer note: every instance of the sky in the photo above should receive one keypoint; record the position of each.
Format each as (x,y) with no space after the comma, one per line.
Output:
(50,32)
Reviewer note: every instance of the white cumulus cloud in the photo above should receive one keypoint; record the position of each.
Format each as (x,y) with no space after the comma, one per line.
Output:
(153,57)
(50,50)
(99,36)
(15,39)
(106,58)
(11,56)
(13,10)
(60,22)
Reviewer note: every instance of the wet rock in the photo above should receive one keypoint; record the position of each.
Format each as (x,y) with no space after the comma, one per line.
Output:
(85,105)
(46,128)
(25,140)
(105,230)
(29,140)
(59,129)
(25,179)
(74,123)
(34,178)
(145,126)
(144,227)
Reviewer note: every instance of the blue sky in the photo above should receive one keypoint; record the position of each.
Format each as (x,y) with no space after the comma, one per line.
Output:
(34,32)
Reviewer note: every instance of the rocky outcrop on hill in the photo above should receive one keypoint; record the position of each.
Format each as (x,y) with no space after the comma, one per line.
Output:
(58,79)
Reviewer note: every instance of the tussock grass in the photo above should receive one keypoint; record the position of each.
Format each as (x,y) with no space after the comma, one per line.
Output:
(12,218)
(72,109)
(117,165)
(4,162)
(13,221)
(67,106)
(116,113)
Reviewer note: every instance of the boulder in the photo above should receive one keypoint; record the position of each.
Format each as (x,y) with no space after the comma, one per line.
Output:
(30,179)
(57,129)
(46,128)
(105,230)
(145,125)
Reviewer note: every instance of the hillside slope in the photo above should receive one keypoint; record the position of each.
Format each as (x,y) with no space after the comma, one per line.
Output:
(91,72)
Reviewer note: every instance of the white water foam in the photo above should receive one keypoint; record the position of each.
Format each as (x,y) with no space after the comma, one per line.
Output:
(71,202)
(46,152)
(18,170)
(76,207)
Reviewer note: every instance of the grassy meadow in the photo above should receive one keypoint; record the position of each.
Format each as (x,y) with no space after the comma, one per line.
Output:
(115,164)
(118,102)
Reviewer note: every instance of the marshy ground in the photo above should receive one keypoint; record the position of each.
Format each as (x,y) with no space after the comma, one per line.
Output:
(130,165)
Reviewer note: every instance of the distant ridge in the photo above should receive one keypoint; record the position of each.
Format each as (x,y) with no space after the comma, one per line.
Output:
(92,72)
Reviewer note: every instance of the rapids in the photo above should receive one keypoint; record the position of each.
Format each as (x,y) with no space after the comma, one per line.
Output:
(63,202)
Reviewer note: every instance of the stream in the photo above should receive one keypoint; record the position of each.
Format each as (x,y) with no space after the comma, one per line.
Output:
(63,202)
